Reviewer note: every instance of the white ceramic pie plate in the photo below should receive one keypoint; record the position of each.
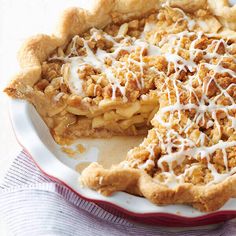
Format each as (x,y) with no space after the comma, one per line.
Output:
(34,136)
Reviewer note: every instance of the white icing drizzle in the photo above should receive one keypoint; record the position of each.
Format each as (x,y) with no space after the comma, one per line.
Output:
(177,147)
(57,97)
(96,60)
(75,83)
(146,164)
(187,148)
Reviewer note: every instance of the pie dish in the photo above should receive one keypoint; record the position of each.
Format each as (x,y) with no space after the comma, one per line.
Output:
(135,67)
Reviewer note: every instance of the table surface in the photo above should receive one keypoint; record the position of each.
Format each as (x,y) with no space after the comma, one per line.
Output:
(20,19)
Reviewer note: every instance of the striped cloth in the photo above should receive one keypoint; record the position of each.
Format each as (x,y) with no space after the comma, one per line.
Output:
(32,204)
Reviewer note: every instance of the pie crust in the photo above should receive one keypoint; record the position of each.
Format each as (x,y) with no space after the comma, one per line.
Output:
(204,191)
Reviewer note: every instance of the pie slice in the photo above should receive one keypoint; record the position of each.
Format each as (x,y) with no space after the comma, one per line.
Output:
(166,70)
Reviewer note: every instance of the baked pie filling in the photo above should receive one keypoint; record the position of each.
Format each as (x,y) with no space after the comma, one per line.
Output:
(102,83)
(169,75)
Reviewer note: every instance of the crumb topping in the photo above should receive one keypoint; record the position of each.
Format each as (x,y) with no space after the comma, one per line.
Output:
(173,74)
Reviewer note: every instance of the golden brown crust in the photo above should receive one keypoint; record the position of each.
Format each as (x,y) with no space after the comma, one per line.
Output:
(189,6)
(76,21)
(32,53)
(134,181)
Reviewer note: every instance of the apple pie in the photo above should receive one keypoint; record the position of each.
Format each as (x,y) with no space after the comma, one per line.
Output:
(165,69)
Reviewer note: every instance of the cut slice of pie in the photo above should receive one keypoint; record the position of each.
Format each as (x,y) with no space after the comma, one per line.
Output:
(134,67)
